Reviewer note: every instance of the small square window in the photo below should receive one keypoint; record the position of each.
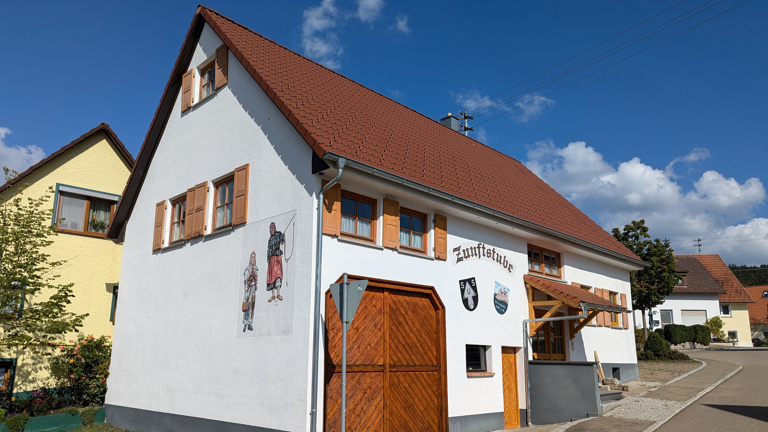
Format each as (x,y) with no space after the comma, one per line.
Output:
(476,359)
(765,294)
(725,309)
(666,316)
(733,336)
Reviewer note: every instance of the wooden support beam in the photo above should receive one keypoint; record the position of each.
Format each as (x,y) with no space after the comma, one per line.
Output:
(546,302)
(531,312)
(535,326)
(584,322)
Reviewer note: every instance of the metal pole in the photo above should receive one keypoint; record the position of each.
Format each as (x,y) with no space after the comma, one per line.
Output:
(344,325)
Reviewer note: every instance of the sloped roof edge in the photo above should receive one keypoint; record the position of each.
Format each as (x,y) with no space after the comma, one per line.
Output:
(572,295)
(102,127)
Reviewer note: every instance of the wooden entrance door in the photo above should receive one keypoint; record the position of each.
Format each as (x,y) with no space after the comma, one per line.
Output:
(509,379)
(396,378)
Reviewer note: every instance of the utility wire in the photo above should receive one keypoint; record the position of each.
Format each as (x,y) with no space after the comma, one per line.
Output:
(614,63)
(604,55)
(575,56)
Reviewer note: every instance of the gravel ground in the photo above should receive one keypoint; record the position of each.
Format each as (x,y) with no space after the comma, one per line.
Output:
(664,371)
(640,408)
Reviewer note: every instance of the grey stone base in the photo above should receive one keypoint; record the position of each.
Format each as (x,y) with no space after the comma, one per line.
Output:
(151,421)
(624,372)
(478,422)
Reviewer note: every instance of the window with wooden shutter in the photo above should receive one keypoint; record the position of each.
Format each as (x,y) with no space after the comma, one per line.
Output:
(441,237)
(391,224)
(332,210)
(413,234)
(186,90)
(157,240)
(240,204)
(196,210)
(222,66)
(600,316)
(624,315)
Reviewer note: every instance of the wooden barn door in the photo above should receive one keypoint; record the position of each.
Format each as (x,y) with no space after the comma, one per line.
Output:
(396,377)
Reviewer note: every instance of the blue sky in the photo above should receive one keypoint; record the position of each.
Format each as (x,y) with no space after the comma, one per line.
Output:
(675,134)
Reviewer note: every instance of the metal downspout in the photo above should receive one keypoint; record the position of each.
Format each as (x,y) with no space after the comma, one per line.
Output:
(318,273)
(583,315)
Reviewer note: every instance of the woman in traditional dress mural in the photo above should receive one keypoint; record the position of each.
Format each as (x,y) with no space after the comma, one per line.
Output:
(250,278)
(275,262)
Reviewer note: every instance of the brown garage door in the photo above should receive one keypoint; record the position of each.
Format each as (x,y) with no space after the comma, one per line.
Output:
(395,361)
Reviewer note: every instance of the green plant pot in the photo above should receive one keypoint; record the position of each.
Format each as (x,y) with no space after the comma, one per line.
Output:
(54,423)
(101,416)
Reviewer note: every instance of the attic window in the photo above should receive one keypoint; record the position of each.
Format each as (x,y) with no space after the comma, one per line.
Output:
(765,294)
(207,80)
(83,211)
(211,75)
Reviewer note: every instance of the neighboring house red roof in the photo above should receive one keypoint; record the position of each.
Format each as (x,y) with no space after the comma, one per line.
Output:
(758,311)
(338,117)
(103,127)
(696,278)
(570,294)
(734,291)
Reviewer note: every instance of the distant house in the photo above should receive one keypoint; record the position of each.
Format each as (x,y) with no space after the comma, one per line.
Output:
(758,311)
(87,175)
(266,177)
(706,288)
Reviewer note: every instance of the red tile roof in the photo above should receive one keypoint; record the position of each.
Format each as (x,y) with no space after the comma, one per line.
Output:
(758,311)
(734,291)
(103,127)
(570,294)
(338,117)
(696,279)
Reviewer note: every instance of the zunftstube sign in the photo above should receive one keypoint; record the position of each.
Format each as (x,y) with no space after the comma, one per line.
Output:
(472,251)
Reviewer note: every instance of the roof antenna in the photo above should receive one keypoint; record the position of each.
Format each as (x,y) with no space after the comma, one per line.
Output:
(697,243)
(464,126)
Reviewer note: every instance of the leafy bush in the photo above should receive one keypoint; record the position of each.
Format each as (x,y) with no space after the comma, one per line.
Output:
(640,337)
(37,403)
(703,334)
(655,344)
(715,325)
(656,348)
(88,415)
(675,333)
(660,331)
(84,368)
(17,422)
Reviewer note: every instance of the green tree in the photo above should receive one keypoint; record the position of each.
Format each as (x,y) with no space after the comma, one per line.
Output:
(654,283)
(33,306)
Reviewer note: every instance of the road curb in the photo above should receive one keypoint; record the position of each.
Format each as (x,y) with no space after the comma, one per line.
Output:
(698,396)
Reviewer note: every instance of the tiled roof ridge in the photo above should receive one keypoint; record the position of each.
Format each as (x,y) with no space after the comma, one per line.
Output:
(103,126)
(206,10)
(735,292)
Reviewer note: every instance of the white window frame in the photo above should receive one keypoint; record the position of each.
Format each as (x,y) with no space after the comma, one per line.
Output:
(722,311)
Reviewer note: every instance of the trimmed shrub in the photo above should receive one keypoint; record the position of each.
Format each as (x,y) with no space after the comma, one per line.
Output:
(660,331)
(88,415)
(690,334)
(703,334)
(675,333)
(17,423)
(655,344)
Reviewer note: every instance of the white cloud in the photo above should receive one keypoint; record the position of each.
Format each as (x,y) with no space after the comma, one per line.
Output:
(318,41)
(369,10)
(401,24)
(717,209)
(696,155)
(16,157)
(524,109)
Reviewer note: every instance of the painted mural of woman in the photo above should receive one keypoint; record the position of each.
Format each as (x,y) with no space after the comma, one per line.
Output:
(275,262)
(250,279)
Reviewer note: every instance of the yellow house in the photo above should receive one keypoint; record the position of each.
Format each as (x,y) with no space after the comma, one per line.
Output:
(88,176)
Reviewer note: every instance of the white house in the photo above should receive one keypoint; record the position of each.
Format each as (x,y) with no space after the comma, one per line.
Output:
(265,178)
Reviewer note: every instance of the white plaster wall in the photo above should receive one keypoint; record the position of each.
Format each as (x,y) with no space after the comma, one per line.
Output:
(679,302)
(174,345)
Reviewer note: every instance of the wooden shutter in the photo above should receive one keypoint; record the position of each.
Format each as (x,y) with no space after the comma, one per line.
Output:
(186,90)
(189,217)
(601,315)
(391,224)
(332,210)
(196,218)
(222,66)
(624,315)
(240,200)
(157,240)
(441,237)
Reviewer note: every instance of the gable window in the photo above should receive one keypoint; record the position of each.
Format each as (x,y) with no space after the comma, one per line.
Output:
(358,216)
(223,202)
(725,310)
(543,261)
(207,80)
(412,230)
(765,294)
(83,211)
(476,358)
(178,218)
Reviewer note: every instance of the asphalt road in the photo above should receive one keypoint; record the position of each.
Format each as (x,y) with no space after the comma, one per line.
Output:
(738,404)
